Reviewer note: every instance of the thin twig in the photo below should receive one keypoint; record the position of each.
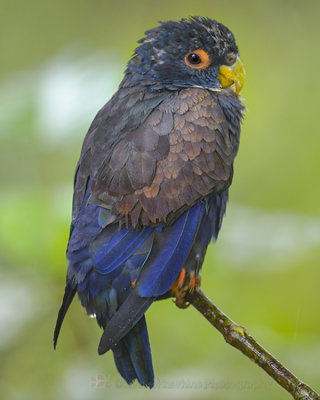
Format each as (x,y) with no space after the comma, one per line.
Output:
(239,338)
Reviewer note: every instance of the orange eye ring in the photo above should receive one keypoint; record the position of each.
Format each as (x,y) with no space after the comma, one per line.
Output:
(197,59)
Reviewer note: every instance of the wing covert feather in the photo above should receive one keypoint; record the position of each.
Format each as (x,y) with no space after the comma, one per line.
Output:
(154,170)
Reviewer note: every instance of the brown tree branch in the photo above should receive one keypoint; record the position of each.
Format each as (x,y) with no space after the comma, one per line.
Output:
(239,338)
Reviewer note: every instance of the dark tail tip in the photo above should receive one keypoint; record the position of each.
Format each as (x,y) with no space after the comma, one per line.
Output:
(67,299)
(102,348)
(123,321)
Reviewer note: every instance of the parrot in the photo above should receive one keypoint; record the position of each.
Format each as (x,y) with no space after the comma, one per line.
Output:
(151,184)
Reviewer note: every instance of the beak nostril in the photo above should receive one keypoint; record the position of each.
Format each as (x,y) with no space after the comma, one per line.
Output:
(232,76)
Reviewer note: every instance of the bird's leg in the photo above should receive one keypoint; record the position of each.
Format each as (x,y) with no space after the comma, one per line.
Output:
(185,282)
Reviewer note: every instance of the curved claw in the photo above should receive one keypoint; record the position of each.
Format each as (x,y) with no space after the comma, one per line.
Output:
(185,282)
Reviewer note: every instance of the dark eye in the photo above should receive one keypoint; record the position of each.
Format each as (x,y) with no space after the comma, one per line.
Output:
(194,58)
(231,59)
(197,59)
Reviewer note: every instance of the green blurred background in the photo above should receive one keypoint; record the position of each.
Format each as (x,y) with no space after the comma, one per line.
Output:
(60,62)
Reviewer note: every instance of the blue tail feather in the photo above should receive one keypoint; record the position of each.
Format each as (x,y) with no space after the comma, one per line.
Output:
(123,362)
(137,343)
(132,356)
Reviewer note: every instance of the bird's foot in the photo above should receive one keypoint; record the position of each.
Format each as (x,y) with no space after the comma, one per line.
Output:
(185,282)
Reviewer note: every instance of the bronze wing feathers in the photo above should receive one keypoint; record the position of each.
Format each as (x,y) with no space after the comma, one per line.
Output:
(180,153)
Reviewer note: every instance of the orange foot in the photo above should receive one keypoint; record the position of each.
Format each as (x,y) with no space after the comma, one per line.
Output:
(185,282)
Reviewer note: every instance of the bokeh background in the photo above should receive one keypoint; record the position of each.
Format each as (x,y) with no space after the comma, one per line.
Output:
(60,62)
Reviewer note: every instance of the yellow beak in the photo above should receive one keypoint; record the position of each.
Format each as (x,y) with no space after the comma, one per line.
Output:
(232,76)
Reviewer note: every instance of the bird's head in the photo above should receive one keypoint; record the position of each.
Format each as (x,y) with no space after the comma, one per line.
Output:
(195,52)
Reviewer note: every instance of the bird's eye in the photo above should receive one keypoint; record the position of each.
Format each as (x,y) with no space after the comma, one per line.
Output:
(231,59)
(197,59)
(194,59)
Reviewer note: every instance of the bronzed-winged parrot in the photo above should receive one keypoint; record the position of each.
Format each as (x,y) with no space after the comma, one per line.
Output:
(151,184)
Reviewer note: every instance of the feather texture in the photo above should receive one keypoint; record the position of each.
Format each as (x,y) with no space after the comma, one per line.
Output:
(172,247)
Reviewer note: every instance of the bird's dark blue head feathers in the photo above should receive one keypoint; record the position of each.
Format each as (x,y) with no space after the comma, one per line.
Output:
(182,53)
